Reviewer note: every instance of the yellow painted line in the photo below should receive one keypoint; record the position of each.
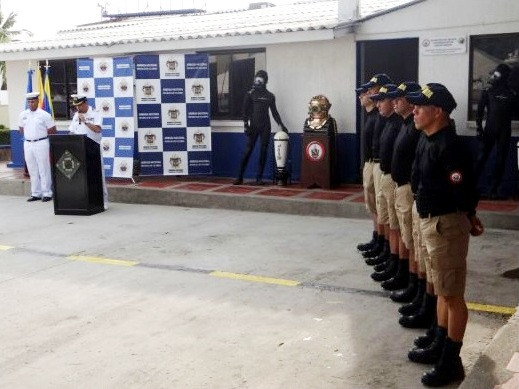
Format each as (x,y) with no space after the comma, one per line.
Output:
(4,248)
(103,261)
(247,277)
(491,308)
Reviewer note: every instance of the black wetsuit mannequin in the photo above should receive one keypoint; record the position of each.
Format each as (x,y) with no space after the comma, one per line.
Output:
(499,103)
(256,121)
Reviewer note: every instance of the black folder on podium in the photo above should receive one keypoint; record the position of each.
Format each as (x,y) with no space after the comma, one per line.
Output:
(76,174)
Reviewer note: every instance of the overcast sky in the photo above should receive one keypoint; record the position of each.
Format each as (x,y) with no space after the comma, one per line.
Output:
(42,17)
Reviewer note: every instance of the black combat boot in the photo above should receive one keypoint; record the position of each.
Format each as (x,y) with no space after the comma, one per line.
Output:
(425,340)
(432,353)
(400,279)
(415,304)
(425,315)
(382,257)
(382,265)
(390,270)
(369,245)
(406,295)
(448,369)
(377,249)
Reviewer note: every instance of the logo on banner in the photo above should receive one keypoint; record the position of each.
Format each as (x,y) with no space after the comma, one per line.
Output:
(123,86)
(173,113)
(124,126)
(172,64)
(106,107)
(123,166)
(106,146)
(314,151)
(148,89)
(197,89)
(149,137)
(85,87)
(175,161)
(103,67)
(199,137)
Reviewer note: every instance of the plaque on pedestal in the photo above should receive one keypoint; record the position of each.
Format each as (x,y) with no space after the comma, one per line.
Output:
(318,156)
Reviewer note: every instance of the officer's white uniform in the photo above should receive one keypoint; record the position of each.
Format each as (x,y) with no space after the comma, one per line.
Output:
(35,125)
(92,116)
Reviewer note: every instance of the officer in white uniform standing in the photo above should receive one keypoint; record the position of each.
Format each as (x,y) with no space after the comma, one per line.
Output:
(87,121)
(36,124)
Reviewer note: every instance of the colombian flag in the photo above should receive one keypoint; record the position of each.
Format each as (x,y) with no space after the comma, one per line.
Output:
(44,89)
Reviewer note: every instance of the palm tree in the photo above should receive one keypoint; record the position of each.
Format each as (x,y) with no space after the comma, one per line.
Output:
(6,33)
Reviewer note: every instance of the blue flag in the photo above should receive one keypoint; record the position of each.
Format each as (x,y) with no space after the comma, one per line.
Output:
(29,85)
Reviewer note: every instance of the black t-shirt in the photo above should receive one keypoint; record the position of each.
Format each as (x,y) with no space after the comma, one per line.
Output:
(367,133)
(380,122)
(499,102)
(404,151)
(387,141)
(446,181)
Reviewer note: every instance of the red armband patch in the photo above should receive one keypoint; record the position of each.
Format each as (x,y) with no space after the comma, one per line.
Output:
(456,177)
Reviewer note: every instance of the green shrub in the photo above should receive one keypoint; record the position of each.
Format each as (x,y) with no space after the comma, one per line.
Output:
(5,136)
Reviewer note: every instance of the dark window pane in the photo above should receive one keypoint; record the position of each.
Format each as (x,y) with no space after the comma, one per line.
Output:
(232,74)
(486,52)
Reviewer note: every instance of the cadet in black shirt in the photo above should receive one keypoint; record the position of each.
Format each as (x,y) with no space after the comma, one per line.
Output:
(379,248)
(446,199)
(386,194)
(402,160)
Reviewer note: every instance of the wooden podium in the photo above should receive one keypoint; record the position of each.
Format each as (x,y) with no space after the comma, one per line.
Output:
(318,159)
(76,173)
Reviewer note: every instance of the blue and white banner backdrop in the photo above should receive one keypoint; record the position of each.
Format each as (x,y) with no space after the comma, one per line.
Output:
(173,114)
(108,84)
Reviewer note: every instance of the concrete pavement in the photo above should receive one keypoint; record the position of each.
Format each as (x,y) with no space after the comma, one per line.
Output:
(165,296)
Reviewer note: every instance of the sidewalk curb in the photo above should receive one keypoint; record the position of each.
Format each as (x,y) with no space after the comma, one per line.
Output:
(490,368)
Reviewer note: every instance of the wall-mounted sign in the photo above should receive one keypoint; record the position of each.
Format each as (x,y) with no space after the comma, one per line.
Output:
(443,46)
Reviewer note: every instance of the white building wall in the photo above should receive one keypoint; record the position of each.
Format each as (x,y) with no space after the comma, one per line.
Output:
(445,18)
(299,71)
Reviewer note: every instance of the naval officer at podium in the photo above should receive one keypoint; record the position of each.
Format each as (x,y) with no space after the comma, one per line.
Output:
(87,121)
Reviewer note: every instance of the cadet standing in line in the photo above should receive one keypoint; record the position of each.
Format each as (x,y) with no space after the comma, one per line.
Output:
(446,202)
(367,171)
(380,251)
(36,124)
(402,162)
(386,194)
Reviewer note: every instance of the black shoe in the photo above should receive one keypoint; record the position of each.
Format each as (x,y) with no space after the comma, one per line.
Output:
(424,341)
(432,353)
(406,295)
(425,316)
(414,306)
(238,181)
(375,261)
(377,249)
(33,198)
(259,182)
(46,198)
(400,279)
(389,272)
(449,368)
(381,266)
(369,245)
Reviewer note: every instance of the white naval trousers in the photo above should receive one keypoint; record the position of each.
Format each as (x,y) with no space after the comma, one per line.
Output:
(37,157)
